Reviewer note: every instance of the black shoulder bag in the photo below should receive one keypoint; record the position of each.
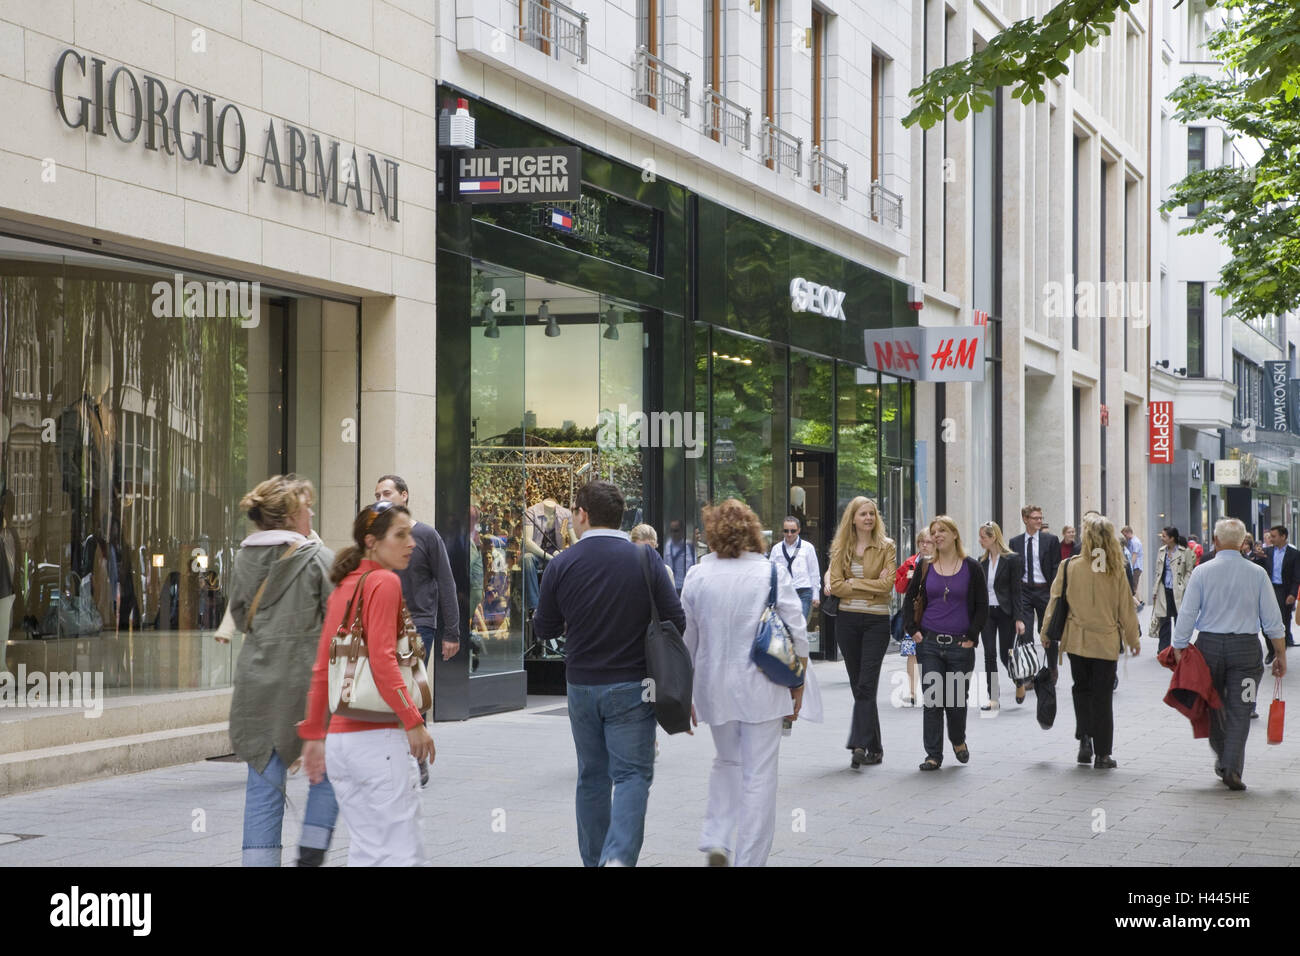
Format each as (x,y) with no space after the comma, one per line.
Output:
(668,664)
(1055,628)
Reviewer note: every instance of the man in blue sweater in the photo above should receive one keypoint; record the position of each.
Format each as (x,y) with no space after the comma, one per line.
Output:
(595,593)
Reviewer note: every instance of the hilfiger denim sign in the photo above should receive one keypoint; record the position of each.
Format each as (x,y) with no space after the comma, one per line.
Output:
(543,174)
(808,296)
(200,129)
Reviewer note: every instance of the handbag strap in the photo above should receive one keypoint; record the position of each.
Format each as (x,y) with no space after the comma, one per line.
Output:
(1277,688)
(644,558)
(771,591)
(356,627)
(257,598)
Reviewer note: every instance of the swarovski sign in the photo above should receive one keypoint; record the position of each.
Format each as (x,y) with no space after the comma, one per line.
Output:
(200,130)
(808,296)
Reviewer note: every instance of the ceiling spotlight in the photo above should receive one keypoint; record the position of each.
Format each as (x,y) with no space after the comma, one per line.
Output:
(490,330)
(552,324)
(612,320)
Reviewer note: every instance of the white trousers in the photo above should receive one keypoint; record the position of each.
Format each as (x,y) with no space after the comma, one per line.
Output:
(742,791)
(6,622)
(376,784)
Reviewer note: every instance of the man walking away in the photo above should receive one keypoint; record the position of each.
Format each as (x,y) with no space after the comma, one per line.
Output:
(1229,602)
(595,593)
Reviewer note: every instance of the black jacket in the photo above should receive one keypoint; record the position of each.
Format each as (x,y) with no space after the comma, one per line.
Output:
(1048,555)
(977,599)
(1290,568)
(1007,585)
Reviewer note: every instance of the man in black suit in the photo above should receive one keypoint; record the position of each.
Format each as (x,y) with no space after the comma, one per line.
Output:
(1282,562)
(1041,553)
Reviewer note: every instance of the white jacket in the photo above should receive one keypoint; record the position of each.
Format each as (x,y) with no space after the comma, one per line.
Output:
(723,598)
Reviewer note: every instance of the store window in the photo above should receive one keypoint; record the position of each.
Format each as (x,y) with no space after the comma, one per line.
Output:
(556,399)
(151,402)
(857,421)
(812,389)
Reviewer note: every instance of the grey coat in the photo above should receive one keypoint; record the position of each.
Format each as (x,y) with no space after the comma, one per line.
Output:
(274,668)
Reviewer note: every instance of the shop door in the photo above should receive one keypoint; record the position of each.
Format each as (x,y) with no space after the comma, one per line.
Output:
(812,501)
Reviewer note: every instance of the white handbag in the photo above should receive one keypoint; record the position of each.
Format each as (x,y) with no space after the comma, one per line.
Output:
(352,690)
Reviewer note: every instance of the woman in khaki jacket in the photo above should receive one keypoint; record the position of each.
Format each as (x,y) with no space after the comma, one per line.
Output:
(861,575)
(1100,613)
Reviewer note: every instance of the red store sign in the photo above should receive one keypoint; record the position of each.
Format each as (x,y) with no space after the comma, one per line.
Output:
(1162,433)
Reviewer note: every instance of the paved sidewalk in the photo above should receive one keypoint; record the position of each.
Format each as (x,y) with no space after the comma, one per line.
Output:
(502,795)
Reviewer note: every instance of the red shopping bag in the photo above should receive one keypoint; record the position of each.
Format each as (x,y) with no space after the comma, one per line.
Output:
(1276,714)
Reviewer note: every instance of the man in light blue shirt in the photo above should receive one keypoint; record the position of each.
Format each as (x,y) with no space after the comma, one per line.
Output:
(1229,600)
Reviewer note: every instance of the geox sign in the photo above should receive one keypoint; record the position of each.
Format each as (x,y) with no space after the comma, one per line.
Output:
(541,174)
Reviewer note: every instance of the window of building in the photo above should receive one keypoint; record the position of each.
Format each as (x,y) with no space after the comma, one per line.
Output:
(771,65)
(877,115)
(1195,161)
(649,25)
(1198,29)
(715,46)
(1196,330)
(819,98)
(1074,247)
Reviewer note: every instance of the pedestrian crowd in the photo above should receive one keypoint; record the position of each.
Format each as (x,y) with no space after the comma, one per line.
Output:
(334,671)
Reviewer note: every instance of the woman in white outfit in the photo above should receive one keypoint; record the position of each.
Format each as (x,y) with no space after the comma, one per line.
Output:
(723,597)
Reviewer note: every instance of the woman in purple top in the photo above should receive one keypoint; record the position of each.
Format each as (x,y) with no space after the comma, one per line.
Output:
(944,611)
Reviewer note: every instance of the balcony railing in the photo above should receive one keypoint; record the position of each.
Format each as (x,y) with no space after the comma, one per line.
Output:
(725,120)
(659,85)
(829,176)
(886,206)
(551,26)
(781,150)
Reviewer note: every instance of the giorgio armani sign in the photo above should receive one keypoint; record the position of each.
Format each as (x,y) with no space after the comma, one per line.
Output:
(201,129)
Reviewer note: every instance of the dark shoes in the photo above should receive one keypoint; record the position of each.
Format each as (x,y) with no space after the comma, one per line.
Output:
(930,764)
(1104,763)
(309,856)
(1085,750)
(963,754)
(1233,780)
(873,758)
(858,759)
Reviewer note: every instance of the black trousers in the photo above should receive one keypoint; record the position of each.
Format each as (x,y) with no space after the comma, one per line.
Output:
(1094,716)
(946,672)
(1168,621)
(863,640)
(998,637)
(1037,597)
(1288,610)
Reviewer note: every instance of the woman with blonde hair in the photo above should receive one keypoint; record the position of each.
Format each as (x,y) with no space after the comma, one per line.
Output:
(278,593)
(723,597)
(1100,606)
(861,574)
(1003,569)
(946,606)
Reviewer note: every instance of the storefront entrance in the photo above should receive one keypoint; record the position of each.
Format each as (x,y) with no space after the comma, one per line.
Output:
(812,501)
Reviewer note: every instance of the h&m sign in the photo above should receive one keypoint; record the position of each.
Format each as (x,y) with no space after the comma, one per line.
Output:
(933,354)
(200,130)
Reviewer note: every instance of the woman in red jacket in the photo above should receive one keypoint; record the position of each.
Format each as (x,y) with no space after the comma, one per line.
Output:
(907,647)
(370,762)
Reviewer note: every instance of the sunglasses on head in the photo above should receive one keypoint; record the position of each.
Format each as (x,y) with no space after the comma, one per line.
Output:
(375,510)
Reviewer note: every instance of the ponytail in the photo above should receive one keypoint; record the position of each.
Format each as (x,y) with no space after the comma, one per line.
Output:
(369,522)
(345,562)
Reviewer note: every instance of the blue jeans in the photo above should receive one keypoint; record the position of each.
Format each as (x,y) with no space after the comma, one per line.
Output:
(264,814)
(805,598)
(614,735)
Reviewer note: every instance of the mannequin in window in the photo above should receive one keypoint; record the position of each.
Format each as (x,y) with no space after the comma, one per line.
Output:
(548,530)
(8,570)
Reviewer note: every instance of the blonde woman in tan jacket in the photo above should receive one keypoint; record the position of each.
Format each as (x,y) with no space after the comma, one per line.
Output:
(861,575)
(1100,612)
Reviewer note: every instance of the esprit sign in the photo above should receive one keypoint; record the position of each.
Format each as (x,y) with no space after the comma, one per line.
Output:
(808,296)
(1162,433)
(200,129)
(544,174)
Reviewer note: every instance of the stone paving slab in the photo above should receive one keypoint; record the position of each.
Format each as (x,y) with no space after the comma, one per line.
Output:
(1021,801)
